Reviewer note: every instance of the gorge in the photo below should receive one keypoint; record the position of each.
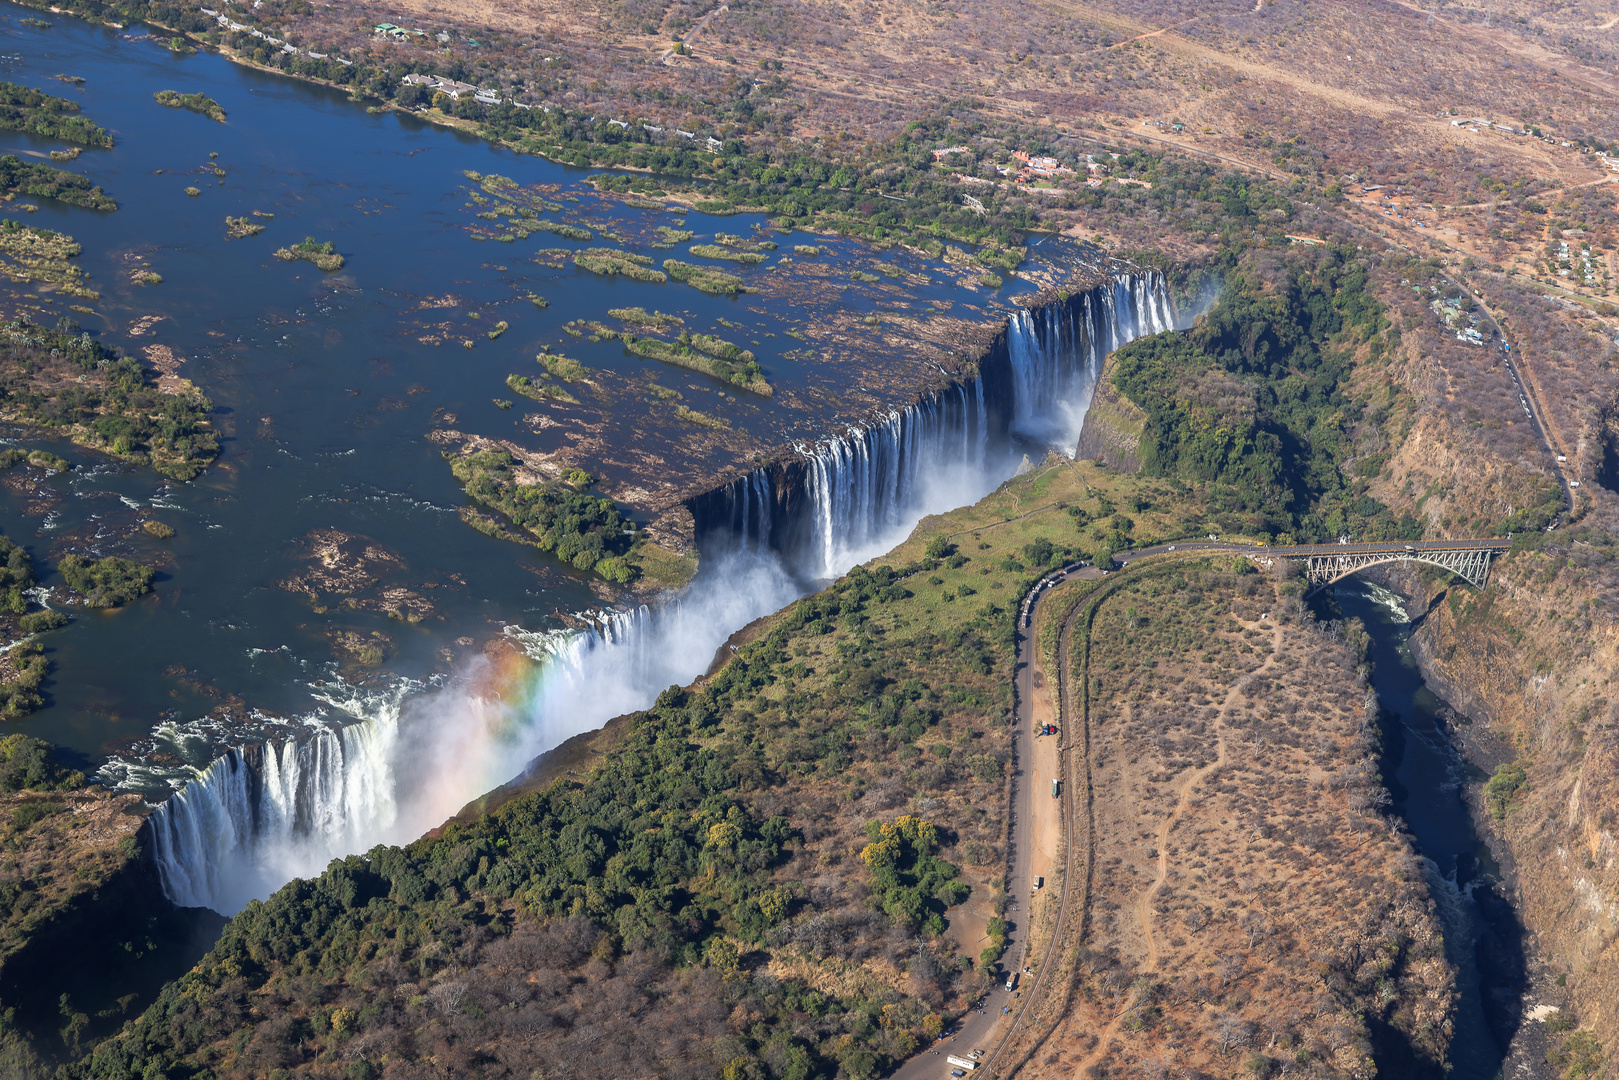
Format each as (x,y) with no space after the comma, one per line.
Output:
(256,818)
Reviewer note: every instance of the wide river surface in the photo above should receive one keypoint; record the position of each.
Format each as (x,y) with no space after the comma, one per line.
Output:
(327,387)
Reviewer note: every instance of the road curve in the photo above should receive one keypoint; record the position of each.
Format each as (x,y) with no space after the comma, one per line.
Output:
(990,1029)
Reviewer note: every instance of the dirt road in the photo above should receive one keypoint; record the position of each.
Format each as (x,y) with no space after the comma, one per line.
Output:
(1035,831)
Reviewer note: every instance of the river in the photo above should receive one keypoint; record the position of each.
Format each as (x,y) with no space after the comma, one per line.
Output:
(1425,776)
(336,396)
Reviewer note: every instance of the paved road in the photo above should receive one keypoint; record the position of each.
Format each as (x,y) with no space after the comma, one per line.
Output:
(984,1029)
(980,1030)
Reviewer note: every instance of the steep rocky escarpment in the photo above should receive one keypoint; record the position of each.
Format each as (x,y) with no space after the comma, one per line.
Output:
(88,936)
(1529,662)
(1113,426)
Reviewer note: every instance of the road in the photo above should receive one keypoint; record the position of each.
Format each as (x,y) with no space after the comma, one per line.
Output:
(1031,782)
(691,35)
(1528,395)
(988,1029)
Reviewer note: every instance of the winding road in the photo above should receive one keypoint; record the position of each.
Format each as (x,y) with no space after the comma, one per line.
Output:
(988,1034)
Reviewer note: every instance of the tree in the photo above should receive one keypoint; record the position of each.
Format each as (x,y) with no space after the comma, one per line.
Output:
(108,582)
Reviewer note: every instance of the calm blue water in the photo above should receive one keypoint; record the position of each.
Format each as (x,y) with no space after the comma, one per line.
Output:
(327,392)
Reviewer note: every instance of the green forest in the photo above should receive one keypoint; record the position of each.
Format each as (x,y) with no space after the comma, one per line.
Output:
(26,109)
(1254,406)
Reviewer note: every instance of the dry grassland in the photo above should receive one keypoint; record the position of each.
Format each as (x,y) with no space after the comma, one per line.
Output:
(1250,907)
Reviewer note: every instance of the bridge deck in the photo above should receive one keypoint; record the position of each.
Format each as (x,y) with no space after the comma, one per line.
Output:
(1397,547)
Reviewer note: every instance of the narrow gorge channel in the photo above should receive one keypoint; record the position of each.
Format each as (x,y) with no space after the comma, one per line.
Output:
(264,814)
(1426,777)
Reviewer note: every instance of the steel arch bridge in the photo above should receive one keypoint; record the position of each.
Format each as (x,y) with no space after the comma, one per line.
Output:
(1326,564)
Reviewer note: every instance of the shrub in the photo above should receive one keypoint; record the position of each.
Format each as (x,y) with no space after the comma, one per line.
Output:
(1504,786)
(27,763)
(40,622)
(109,582)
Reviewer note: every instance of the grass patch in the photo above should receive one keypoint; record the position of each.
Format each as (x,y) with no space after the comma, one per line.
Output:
(562,367)
(643,317)
(538,391)
(692,416)
(40,256)
(558,228)
(705,278)
(611,263)
(714,251)
(201,104)
(686,353)
(674,236)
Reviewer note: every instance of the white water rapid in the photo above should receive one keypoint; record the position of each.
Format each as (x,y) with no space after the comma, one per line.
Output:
(384,770)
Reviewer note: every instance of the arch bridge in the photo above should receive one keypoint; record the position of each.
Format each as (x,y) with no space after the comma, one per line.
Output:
(1326,564)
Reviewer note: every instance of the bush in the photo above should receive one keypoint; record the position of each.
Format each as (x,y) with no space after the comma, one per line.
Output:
(1503,787)
(109,582)
(27,763)
(42,621)
(913,885)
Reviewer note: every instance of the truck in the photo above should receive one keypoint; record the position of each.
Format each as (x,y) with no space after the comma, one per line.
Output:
(1056,789)
(1011,982)
(960,1062)
(1038,881)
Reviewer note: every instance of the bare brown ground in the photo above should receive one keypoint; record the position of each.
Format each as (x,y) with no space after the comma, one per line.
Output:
(1239,855)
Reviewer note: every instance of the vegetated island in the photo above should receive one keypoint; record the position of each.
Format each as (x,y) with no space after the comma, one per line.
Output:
(611,262)
(40,256)
(197,103)
(25,109)
(583,529)
(43,182)
(706,278)
(107,582)
(237,228)
(70,383)
(699,352)
(323,254)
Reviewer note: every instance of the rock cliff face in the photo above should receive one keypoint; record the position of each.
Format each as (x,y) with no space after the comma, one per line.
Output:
(1532,670)
(1113,426)
(86,936)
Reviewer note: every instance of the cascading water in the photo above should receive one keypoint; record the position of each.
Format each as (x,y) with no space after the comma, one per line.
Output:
(257,818)
(1056,353)
(857,495)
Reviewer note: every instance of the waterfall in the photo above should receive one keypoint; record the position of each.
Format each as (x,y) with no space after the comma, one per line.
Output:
(1056,352)
(383,769)
(856,495)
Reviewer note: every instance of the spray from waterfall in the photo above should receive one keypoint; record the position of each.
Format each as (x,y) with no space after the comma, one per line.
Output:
(383,769)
